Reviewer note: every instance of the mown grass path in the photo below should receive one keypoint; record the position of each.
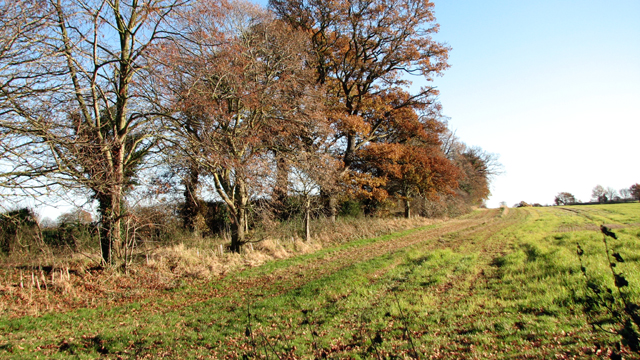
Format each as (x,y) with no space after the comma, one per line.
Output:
(489,285)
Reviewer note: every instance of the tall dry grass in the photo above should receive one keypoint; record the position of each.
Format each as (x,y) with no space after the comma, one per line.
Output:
(62,280)
(204,258)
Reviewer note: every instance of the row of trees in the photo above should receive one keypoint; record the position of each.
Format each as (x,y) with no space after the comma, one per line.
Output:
(311,98)
(602,195)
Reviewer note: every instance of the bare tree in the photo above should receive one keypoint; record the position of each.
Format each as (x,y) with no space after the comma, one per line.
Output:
(85,113)
(598,193)
(22,74)
(312,172)
(625,194)
(77,215)
(611,193)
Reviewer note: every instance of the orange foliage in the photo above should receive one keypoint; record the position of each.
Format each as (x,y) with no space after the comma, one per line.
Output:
(240,92)
(364,50)
(411,170)
(364,186)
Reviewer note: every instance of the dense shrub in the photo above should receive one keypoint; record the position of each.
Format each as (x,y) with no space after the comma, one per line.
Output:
(351,208)
(19,231)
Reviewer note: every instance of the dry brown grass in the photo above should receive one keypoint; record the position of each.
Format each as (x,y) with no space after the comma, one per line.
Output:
(49,283)
(343,230)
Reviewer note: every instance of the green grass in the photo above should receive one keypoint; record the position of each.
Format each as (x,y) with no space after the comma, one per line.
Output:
(484,286)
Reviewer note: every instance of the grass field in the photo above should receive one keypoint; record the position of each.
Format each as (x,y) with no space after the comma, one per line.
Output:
(494,284)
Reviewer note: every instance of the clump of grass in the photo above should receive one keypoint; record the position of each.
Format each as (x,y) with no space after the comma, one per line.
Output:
(188,262)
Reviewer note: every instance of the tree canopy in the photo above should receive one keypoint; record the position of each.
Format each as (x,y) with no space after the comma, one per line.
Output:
(564,198)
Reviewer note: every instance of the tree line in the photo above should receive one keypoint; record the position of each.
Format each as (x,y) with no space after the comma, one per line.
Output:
(601,194)
(309,99)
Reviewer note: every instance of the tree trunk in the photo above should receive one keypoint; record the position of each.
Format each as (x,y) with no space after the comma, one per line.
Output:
(280,190)
(407,208)
(109,208)
(239,218)
(330,203)
(109,197)
(191,207)
(333,207)
(237,232)
(350,151)
(246,220)
(307,219)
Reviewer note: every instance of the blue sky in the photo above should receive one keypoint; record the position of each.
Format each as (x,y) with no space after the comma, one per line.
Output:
(553,87)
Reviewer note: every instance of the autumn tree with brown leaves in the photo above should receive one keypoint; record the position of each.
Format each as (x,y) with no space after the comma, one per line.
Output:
(240,80)
(364,52)
(635,191)
(410,160)
(564,198)
(314,99)
(598,193)
(413,171)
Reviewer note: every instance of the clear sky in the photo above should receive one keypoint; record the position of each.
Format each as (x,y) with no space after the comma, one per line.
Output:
(552,86)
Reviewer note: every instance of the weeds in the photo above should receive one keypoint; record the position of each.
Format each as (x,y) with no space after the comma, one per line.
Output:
(414,353)
(611,310)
